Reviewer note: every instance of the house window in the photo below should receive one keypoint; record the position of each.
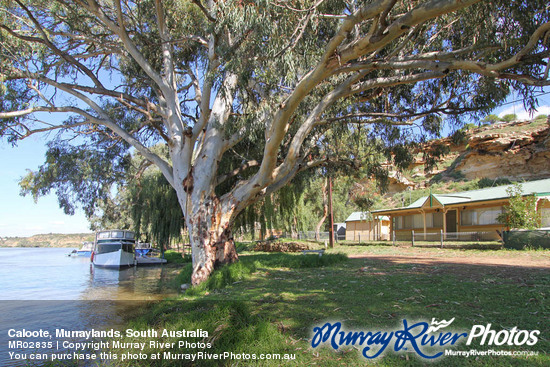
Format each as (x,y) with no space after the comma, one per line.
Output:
(479,217)
(398,222)
(468,217)
(437,220)
(434,220)
(489,216)
(429,220)
(418,221)
(409,221)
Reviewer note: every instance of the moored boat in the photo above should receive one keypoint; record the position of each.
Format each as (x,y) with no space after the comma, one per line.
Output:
(86,249)
(143,252)
(142,249)
(114,249)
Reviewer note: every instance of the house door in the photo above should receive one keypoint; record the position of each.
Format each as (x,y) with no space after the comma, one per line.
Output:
(450,221)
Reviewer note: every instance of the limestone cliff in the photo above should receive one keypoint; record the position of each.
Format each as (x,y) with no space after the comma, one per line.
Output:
(518,150)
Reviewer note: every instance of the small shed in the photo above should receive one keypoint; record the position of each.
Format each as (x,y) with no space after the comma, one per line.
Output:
(339,231)
(363,226)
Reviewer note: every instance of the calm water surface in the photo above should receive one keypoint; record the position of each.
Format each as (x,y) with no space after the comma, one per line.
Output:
(43,288)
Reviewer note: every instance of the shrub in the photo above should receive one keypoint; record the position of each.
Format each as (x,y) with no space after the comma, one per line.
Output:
(521,211)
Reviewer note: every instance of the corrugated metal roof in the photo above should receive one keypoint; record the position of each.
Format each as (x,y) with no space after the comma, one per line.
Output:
(358,216)
(538,187)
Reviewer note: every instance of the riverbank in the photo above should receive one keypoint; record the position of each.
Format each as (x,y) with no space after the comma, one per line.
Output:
(268,304)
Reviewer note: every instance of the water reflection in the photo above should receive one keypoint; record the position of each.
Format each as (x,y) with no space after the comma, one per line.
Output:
(45,289)
(70,315)
(136,283)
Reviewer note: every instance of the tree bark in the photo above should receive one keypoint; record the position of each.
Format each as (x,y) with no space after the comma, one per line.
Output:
(211,239)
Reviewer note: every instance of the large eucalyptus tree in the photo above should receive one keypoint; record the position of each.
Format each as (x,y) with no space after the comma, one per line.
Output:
(207,77)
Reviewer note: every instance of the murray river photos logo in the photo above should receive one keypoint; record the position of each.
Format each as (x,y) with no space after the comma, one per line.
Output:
(426,340)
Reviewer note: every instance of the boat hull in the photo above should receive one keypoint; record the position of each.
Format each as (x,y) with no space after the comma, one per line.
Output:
(114,260)
(84,253)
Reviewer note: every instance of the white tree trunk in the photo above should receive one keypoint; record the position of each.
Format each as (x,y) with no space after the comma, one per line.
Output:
(211,238)
(208,218)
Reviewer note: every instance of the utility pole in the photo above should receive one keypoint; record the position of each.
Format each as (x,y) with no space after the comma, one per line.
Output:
(331,221)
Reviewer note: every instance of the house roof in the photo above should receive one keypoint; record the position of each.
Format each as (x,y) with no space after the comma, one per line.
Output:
(358,216)
(539,188)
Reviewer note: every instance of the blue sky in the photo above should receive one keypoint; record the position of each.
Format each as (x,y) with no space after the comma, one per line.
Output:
(21,216)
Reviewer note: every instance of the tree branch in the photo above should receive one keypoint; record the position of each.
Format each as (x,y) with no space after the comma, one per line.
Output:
(236,171)
(204,10)
(45,40)
(121,32)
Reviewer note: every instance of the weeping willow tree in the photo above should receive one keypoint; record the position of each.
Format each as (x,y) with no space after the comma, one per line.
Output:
(155,212)
(284,210)
(206,77)
(140,198)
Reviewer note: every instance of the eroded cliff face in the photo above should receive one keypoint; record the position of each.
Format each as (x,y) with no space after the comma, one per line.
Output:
(516,151)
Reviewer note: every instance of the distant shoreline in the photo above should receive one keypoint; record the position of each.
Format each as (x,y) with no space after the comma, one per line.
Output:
(37,246)
(51,240)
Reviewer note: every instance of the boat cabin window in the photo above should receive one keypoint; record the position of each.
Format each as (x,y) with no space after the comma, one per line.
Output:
(117,234)
(103,234)
(112,247)
(130,235)
(105,248)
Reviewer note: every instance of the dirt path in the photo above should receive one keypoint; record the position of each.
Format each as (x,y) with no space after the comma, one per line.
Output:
(427,259)
(509,266)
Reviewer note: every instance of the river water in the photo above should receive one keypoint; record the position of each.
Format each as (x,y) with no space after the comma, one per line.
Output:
(43,288)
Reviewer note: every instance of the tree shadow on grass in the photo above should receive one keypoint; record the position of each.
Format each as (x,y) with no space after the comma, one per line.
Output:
(276,307)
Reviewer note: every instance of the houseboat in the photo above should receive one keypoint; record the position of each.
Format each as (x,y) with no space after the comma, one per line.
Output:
(114,249)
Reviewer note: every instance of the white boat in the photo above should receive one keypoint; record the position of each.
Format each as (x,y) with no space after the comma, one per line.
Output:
(86,249)
(114,249)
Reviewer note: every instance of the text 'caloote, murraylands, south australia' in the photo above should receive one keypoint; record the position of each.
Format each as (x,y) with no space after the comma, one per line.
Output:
(103,345)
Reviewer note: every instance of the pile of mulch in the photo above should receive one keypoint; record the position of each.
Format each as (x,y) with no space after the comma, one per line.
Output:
(272,246)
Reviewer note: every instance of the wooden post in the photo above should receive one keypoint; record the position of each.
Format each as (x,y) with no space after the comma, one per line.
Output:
(412,233)
(424,222)
(441,238)
(393,237)
(331,229)
(445,222)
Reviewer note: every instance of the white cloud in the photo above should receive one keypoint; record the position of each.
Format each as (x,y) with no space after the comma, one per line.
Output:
(522,113)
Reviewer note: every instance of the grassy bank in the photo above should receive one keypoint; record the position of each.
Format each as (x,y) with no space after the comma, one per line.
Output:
(269,303)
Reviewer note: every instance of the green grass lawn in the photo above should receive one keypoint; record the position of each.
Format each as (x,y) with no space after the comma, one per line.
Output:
(269,303)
